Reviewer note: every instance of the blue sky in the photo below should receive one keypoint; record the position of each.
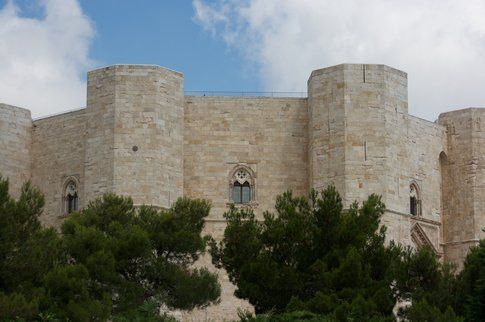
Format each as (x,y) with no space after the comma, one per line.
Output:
(164,33)
(47,46)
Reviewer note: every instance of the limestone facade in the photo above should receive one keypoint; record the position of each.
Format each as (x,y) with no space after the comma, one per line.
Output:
(140,136)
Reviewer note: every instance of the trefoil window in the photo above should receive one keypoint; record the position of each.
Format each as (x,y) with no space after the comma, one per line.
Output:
(241,185)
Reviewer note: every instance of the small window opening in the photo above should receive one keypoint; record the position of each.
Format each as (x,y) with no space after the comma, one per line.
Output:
(414,201)
(413,206)
(70,198)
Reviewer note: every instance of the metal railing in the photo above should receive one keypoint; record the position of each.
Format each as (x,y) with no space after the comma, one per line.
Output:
(246,94)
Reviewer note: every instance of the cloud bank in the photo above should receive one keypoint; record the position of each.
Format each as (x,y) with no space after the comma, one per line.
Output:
(43,61)
(439,43)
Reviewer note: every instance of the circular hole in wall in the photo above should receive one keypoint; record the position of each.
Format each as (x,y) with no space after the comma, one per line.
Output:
(134,148)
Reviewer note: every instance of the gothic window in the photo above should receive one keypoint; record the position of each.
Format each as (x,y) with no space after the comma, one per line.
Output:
(241,186)
(70,197)
(241,193)
(414,200)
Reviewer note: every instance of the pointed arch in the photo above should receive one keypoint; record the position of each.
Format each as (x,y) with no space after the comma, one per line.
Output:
(443,160)
(415,199)
(242,185)
(445,193)
(70,195)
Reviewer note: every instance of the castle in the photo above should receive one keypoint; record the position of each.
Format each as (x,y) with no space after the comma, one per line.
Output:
(140,136)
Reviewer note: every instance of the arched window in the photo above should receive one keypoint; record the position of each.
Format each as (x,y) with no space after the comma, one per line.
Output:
(241,193)
(70,197)
(414,200)
(241,185)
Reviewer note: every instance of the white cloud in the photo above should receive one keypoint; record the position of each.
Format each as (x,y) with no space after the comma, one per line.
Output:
(43,61)
(439,43)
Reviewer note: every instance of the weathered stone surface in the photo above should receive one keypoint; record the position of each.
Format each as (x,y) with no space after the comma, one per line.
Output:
(15,144)
(463,189)
(58,148)
(363,141)
(140,136)
(268,135)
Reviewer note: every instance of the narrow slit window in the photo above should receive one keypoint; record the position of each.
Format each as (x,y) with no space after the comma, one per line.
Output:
(236,192)
(413,206)
(414,200)
(245,193)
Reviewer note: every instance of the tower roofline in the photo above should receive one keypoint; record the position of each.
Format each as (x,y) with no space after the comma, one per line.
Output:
(355,66)
(461,110)
(137,66)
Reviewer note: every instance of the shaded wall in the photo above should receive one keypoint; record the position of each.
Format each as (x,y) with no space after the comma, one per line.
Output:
(15,146)
(464,193)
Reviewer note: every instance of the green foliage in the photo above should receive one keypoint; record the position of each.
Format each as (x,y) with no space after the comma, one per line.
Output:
(309,261)
(16,306)
(68,293)
(311,256)
(308,316)
(284,317)
(472,282)
(422,311)
(134,255)
(111,258)
(27,252)
(430,286)
(147,312)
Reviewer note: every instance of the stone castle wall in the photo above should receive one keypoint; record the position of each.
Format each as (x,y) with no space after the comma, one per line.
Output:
(15,144)
(268,135)
(99,136)
(326,126)
(58,147)
(134,134)
(148,134)
(140,136)
(464,191)
(363,141)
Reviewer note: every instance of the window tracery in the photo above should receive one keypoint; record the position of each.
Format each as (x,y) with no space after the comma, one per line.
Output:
(70,197)
(242,185)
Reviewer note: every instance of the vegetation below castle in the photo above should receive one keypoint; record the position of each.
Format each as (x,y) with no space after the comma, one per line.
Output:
(310,261)
(314,261)
(110,261)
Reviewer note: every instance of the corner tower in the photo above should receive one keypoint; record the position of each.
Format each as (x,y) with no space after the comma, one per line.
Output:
(353,112)
(134,139)
(363,140)
(463,187)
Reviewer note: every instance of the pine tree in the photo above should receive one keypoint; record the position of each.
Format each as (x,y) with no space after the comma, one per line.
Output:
(311,256)
(137,255)
(112,260)
(472,282)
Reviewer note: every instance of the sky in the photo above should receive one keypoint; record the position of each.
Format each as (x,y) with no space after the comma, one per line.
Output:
(47,46)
